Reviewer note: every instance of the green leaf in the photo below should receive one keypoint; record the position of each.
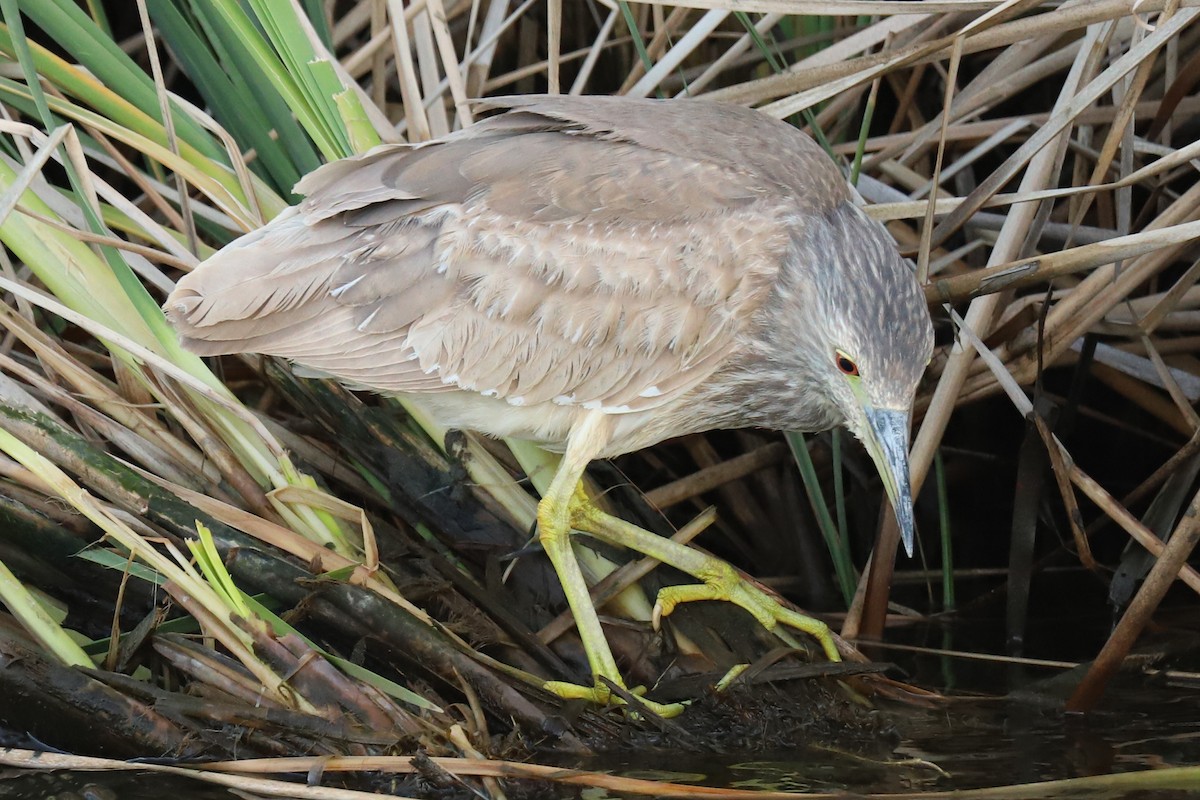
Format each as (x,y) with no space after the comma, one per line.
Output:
(240,29)
(315,11)
(34,617)
(121,563)
(249,116)
(68,26)
(204,550)
(839,548)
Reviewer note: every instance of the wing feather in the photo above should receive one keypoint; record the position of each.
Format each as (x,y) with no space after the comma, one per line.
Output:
(532,257)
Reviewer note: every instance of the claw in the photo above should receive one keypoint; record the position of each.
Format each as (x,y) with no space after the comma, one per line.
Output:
(601,695)
(566,507)
(722,582)
(732,675)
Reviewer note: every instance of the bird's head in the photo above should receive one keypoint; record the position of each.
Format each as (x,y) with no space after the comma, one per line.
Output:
(870,342)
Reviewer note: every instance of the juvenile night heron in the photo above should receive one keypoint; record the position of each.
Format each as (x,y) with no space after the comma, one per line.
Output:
(595,274)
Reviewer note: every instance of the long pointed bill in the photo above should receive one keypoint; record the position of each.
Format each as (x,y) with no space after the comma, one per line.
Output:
(887,441)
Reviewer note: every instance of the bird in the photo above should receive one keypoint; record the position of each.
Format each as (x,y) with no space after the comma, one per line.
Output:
(594,274)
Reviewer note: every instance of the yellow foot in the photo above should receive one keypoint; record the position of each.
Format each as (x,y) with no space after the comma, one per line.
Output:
(602,695)
(732,675)
(722,582)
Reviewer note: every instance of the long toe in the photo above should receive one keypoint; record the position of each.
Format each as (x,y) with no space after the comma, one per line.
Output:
(600,695)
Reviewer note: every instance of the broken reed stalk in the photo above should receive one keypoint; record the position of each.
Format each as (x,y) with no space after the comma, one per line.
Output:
(1164,572)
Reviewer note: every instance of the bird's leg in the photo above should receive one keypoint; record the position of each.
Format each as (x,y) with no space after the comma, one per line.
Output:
(554,528)
(562,502)
(720,580)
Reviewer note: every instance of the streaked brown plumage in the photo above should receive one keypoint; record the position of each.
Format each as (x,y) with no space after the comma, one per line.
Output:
(591,273)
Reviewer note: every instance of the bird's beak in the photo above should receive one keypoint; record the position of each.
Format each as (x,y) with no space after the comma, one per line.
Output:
(886,440)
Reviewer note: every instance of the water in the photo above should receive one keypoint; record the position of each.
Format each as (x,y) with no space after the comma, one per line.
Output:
(1144,723)
(970,742)
(968,745)
(40,785)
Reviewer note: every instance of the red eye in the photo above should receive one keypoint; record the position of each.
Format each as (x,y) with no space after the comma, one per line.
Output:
(847,366)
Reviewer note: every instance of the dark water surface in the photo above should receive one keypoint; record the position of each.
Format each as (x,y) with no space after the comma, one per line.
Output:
(39,785)
(968,745)
(1004,725)
(1145,723)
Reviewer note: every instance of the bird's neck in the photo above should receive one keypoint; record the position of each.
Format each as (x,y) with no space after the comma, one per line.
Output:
(765,392)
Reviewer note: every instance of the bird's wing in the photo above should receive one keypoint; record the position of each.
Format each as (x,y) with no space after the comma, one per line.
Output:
(751,142)
(518,261)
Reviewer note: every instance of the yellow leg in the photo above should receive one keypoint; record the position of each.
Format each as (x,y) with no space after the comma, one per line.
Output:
(562,503)
(720,580)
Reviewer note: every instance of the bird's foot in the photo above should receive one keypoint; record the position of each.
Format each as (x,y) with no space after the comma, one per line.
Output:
(601,695)
(722,582)
(557,514)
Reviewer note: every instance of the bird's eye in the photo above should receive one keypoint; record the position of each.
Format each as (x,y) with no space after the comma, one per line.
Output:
(846,365)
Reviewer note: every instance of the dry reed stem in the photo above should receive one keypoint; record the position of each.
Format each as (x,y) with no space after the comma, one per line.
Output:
(1178,777)
(1152,591)
(1106,502)
(709,478)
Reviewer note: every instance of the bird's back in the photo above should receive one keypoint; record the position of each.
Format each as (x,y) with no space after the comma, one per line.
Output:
(570,254)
